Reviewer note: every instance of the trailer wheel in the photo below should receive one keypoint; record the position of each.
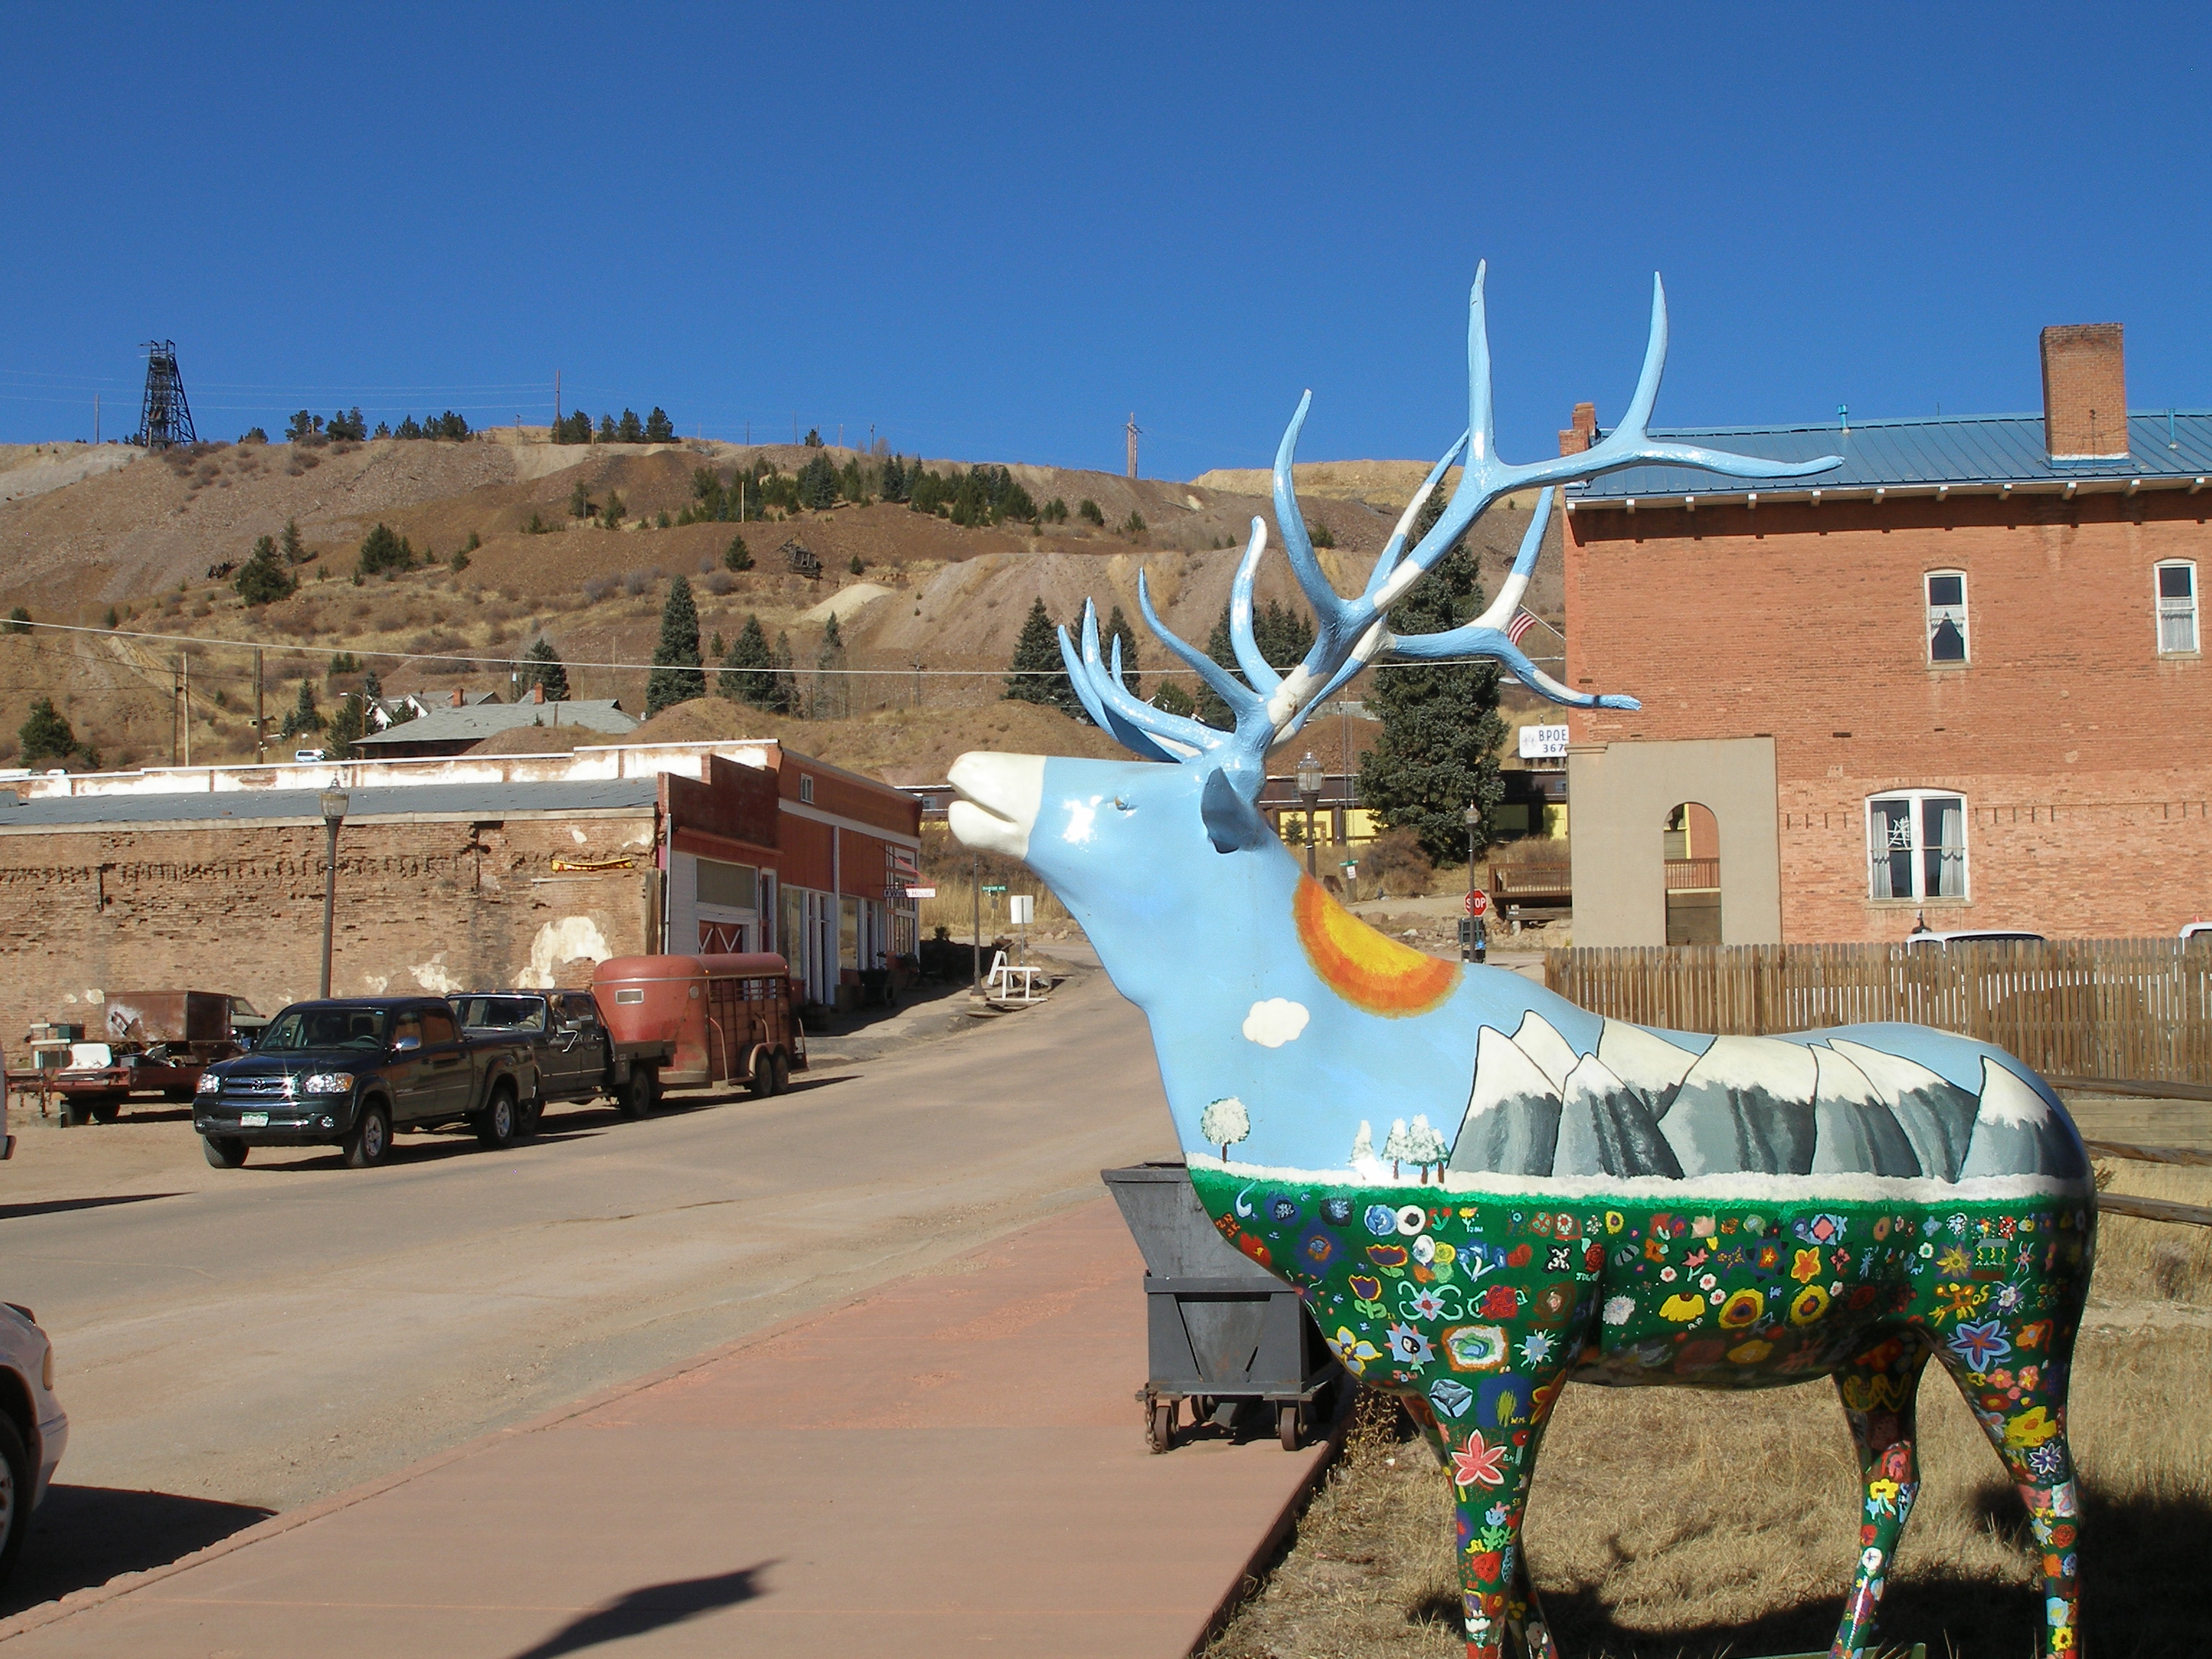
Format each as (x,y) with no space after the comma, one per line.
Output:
(1287,1425)
(635,1097)
(106,1111)
(224,1152)
(763,1081)
(782,1066)
(1159,1424)
(72,1114)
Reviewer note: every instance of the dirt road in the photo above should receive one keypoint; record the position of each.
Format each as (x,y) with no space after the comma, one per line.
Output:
(234,1342)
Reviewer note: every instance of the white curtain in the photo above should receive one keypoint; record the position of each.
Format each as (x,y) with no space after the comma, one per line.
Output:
(1945,841)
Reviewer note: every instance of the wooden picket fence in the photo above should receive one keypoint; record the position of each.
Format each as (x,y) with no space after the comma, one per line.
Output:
(2070,1008)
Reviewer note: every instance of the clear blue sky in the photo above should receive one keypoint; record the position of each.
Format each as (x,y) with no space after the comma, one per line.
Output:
(992,232)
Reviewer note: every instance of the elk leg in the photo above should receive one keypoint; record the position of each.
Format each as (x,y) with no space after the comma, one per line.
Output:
(1524,1614)
(2020,1400)
(1879,1391)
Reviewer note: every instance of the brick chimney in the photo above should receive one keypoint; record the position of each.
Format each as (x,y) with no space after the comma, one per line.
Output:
(538,690)
(2085,392)
(1579,437)
(457,696)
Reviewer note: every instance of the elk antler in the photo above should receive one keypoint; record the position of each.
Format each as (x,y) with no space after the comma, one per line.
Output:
(1349,635)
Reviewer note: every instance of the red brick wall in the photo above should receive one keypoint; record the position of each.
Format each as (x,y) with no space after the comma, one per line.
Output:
(2082,753)
(2085,390)
(419,908)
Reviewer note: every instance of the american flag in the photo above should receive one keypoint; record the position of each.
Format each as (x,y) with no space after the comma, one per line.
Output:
(1522,623)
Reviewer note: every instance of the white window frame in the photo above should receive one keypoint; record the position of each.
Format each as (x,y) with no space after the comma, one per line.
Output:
(2163,609)
(1938,614)
(806,788)
(1880,848)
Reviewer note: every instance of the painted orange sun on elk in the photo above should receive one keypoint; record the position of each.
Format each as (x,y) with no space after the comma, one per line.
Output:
(1367,968)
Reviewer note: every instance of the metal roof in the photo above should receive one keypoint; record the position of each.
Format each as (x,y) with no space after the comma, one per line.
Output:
(427,800)
(481,720)
(2164,446)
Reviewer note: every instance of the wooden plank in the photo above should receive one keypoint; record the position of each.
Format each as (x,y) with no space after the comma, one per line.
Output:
(2149,1088)
(2154,1209)
(2148,1154)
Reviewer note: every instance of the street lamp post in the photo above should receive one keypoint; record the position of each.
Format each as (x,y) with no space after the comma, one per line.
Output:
(1477,948)
(1310,777)
(334,804)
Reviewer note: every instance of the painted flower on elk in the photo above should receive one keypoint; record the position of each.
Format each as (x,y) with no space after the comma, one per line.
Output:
(1805,1266)
(1354,1351)
(1981,1345)
(1366,1289)
(1537,1346)
(1423,1304)
(1477,1462)
(1619,1310)
(1409,1348)
(1318,1249)
(2030,1428)
(1742,1309)
(1386,1255)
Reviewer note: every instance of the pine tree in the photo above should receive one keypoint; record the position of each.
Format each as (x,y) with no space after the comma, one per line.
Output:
(749,668)
(1437,750)
(629,429)
(1172,699)
(737,556)
(262,579)
(348,726)
(289,544)
(383,550)
(677,675)
(1037,674)
(1117,628)
(832,698)
(546,669)
(787,689)
(305,716)
(659,428)
(579,501)
(45,734)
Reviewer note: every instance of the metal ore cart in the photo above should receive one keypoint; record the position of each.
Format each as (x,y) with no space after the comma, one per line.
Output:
(1223,1333)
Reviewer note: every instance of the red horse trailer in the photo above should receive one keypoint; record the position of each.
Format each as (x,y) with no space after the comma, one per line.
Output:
(701,1020)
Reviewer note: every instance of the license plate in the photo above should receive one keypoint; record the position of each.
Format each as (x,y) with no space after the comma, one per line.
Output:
(253,1120)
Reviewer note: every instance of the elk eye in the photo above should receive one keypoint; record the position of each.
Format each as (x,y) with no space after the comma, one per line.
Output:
(1121,805)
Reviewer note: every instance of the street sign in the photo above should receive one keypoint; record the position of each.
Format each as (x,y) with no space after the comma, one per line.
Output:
(1543,742)
(1477,902)
(1021,909)
(922,892)
(999,887)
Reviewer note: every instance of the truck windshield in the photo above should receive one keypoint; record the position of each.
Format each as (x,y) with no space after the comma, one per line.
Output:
(323,1028)
(502,1013)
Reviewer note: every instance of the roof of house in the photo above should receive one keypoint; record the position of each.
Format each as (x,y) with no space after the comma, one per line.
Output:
(1990,451)
(486,800)
(481,720)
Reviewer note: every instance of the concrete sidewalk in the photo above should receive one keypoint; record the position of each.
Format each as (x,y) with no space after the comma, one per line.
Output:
(952,1464)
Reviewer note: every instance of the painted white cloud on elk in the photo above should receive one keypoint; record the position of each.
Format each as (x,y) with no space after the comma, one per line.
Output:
(1275,1021)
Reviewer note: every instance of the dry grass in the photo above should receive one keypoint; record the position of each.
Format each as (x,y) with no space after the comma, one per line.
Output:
(1680,1524)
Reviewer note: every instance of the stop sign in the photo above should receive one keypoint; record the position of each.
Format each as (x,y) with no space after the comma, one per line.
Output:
(1478,902)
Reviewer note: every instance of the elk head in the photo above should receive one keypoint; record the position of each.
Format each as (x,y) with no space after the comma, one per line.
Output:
(1147,853)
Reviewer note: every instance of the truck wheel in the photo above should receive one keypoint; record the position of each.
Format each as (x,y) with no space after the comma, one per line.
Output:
(782,1073)
(106,1111)
(224,1152)
(71,1114)
(762,1082)
(496,1126)
(17,1481)
(635,1097)
(370,1138)
(532,1115)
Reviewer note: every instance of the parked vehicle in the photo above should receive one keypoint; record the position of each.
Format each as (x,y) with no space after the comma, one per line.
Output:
(2191,930)
(34,1428)
(1976,936)
(678,1020)
(562,1032)
(150,1042)
(348,1073)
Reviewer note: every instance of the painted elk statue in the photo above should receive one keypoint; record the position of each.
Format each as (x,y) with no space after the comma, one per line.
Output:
(1604,1203)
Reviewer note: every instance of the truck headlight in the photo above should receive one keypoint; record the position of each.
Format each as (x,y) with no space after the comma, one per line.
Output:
(327,1083)
(209,1084)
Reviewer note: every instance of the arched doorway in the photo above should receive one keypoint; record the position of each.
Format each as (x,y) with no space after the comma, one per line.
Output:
(1692,840)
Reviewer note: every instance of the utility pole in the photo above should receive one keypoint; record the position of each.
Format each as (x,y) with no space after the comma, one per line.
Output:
(185,698)
(841,434)
(1134,430)
(260,722)
(917,682)
(175,669)
(557,402)
(96,420)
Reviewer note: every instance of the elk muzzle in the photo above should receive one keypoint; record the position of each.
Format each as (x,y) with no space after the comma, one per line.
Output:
(999,796)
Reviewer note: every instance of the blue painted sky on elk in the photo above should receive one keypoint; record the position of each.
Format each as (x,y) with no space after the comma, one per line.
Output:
(992,231)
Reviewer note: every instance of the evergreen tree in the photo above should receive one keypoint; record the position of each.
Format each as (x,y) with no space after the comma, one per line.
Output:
(787,689)
(1437,752)
(45,734)
(348,726)
(893,482)
(371,686)
(19,619)
(579,501)
(606,434)
(289,544)
(1284,636)
(382,550)
(749,668)
(833,698)
(1117,628)
(659,428)
(305,716)
(263,578)
(545,668)
(629,429)
(612,517)
(1037,674)
(817,484)
(737,556)
(677,675)
(1172,699)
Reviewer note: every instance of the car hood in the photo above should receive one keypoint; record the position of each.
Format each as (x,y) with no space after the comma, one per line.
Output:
(297,1060)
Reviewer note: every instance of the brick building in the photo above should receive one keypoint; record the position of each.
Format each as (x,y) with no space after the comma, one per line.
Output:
(453,873)
(1957,678)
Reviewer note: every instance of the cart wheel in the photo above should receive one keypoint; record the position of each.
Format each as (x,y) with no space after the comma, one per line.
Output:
(1159,1424)
(1287,1425)
(106,1111)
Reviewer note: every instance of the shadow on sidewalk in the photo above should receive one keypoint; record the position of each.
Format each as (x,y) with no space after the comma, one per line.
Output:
(85,1535)
(636,1612)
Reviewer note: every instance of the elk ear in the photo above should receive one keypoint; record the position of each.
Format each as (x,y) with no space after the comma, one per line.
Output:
(1232,824)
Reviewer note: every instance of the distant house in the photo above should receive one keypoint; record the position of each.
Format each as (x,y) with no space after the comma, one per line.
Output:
(382,714)
(798,561)
(462,725)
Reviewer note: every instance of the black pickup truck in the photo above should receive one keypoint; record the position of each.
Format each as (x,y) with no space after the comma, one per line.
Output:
(562,1032)
(348,1072)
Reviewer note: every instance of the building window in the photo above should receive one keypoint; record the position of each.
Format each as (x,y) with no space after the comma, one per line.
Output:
(806,788)
(1917,846)
(1947,615)
(2176,607)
